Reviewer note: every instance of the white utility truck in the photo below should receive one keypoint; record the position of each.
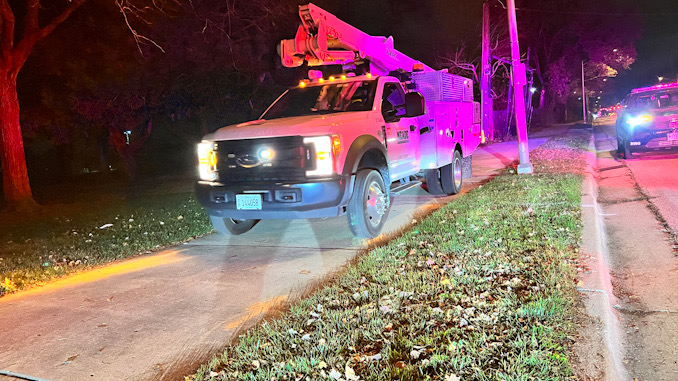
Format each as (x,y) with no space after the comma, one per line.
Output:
(342,144)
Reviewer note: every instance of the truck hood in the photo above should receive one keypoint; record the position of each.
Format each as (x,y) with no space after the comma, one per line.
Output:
(308,125)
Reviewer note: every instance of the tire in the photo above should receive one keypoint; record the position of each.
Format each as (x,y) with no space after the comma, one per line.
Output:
(623,149)
(451,176)
(229,226)
(369,205)
(433,184)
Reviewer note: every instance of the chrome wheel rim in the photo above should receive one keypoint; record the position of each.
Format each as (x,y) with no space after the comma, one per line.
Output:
(457,173)
(376,204)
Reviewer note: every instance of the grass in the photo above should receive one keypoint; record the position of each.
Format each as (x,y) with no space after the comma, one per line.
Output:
(482,289)
(36,250)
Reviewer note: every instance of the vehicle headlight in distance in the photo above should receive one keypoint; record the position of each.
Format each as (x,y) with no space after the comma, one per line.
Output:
(207,161)
(638,120)
(327,149)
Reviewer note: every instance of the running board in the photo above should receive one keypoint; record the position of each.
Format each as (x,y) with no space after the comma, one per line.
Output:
(403,187)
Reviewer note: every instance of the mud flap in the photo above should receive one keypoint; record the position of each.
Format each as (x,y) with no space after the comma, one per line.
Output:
(466,167)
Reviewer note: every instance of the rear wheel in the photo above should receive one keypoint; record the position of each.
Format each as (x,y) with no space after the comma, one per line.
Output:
(451,178)
(446,180)
(369,205)
(229,226)
(433,183)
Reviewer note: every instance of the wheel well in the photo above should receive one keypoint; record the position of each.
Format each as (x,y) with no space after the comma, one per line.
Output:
(457,147)
(374,159)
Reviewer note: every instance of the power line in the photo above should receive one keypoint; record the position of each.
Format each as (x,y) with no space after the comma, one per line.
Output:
(596,13)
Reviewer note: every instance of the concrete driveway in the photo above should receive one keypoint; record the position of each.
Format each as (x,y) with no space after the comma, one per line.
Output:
(159,316)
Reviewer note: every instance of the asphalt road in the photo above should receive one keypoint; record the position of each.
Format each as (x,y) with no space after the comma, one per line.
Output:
(638,198)
(159,316)
(655,172)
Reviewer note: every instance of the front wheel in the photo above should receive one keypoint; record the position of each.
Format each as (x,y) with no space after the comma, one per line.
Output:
(229,226)
(623,148)
(369,205)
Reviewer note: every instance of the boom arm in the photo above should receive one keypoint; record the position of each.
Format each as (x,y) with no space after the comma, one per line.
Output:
(323,39)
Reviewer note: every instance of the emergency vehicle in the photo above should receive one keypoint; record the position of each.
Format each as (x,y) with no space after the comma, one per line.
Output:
(648,120)
(343,144)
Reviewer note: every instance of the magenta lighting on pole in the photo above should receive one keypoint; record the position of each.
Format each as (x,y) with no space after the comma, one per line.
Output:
(583,92)
(519,82)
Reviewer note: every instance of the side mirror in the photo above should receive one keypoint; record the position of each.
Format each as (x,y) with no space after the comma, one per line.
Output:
(414,104)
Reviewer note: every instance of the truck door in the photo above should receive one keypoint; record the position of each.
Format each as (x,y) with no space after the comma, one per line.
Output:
(402,133)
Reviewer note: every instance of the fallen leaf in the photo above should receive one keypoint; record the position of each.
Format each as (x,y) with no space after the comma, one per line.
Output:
(350,374)
(335,374)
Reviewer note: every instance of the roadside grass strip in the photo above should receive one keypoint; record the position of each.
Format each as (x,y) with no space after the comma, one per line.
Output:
(71,243)
(482,289)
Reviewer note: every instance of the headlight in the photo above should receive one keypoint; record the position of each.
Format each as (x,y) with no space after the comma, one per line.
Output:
(638,120)
(207,161)
(327,149)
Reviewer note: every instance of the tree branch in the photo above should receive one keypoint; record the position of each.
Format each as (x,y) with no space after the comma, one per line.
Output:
(7,37)
(49,28)
(31,18)
(23,49)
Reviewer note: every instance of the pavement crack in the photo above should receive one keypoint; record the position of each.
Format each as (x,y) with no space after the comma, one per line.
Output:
(673,235)
(639,312)
(611,168)
(615,202)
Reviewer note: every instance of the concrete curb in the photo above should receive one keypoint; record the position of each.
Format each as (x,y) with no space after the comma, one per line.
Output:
(597,285)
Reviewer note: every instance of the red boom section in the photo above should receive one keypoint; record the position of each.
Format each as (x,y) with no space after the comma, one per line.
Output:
(323,39)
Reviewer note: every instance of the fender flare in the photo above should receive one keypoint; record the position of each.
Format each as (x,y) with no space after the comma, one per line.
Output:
(359,147)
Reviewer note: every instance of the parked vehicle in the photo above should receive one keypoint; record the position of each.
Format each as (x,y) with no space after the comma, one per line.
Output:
(344,144)
(648,120)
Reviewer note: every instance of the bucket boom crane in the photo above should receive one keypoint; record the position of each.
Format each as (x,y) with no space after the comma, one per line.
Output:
(323,39)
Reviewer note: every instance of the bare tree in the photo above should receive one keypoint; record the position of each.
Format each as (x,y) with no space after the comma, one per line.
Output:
(17,40)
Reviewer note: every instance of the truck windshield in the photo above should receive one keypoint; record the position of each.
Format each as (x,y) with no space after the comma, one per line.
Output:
(328,98)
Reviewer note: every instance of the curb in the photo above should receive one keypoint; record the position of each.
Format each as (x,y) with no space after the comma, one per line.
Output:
(597,286)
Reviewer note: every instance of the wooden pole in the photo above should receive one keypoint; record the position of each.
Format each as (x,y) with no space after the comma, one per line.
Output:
(519,81)
(486,77)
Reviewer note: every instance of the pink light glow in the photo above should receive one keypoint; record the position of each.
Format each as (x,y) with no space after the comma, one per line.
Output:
(655,87)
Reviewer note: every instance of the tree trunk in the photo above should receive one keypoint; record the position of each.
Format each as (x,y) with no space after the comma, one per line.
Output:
(17,188)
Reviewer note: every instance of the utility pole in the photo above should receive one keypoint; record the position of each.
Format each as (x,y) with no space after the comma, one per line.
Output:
(485,77)
(583,92)
(519,81)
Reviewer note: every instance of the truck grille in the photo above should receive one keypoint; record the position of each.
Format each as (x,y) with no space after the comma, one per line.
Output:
(239,160)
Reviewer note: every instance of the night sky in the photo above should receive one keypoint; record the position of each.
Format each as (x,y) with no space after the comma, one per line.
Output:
(657,49)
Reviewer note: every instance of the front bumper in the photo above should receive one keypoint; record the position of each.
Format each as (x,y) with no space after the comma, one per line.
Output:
(322,198)
(647,138)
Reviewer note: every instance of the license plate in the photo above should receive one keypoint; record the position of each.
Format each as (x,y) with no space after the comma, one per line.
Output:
(248,202)
(672,136)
